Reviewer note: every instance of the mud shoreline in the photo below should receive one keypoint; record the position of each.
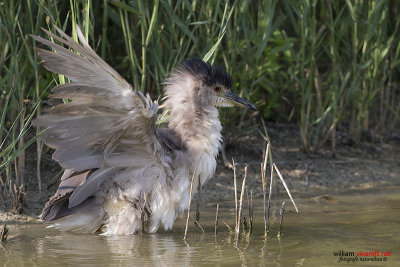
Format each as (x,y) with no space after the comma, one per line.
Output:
(366,165)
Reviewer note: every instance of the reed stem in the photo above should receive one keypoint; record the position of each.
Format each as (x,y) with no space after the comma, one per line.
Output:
(190,199)
(216,220)
(241,203)
(269,199)
(281,212)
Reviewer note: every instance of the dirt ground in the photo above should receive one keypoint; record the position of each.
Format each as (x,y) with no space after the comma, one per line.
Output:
(373,162)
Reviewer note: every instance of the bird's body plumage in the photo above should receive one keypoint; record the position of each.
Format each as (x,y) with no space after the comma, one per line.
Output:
(121,171)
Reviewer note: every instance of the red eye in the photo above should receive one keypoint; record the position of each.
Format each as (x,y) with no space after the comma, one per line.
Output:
(217,88)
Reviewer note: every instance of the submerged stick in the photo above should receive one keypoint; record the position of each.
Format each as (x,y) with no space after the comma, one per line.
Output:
(216,220)
(281,212)
(241,202)
(4,234)
(190,199)
(250,206)
(244,225)
(251,212)
(286,187)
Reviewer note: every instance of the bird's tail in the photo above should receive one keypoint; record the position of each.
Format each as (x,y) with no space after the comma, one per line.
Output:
(83,221)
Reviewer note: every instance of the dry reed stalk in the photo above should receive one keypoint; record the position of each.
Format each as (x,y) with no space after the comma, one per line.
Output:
(225,159)
(39,142)
(198,225)
(55,179)
(281,212)
(264,185)
(235,186)
(251,212)
(216,220)
(241,202)
(286,187)
(190,199)
(269,199)
(2,189)
(229,228)
(39,148)
(20,166)
(198,204)
(265,161)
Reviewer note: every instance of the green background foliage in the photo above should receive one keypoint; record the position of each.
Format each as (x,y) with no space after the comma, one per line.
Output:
(322,64)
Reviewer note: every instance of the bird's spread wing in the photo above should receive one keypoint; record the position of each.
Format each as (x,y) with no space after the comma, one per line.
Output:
(106,125)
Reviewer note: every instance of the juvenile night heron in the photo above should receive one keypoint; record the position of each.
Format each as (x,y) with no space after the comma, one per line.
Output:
(120,169)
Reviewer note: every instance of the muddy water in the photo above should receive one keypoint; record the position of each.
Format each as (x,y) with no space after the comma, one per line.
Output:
(367,221)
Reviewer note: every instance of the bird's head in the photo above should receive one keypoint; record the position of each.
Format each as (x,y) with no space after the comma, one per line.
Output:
(204,85)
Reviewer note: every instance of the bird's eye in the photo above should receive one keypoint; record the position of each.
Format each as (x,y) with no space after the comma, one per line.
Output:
(217,88)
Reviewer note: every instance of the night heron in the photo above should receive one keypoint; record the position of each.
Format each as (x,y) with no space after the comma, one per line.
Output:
(121,170)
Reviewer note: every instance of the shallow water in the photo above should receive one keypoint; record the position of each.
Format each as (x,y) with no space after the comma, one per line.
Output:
(367,221)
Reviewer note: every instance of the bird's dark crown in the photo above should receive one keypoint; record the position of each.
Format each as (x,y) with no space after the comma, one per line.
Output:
(207,73)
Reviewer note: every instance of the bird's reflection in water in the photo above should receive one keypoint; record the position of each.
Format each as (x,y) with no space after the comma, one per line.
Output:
(153,248)
(146,249)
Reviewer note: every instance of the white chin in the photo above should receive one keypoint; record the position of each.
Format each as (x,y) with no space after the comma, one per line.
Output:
(221,102)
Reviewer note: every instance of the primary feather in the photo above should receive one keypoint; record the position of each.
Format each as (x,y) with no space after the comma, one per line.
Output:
(120,168)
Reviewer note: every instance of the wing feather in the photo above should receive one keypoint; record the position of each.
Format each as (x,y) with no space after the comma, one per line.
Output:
(89,188)
(106,116)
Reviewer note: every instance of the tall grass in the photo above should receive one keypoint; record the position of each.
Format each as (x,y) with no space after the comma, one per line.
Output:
(346,67)
(19,99)
(323,64)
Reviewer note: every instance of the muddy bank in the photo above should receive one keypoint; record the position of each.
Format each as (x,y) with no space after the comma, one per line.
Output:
(371,163)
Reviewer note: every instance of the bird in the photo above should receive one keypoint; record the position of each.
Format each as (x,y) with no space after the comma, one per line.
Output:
(123,172)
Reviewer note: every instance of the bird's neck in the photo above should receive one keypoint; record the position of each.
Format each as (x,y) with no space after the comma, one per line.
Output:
(200,130)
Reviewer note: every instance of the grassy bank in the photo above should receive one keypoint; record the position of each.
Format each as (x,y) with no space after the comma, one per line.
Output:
(326,65)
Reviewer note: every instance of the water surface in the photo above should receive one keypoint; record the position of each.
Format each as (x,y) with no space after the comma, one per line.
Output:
(367,221)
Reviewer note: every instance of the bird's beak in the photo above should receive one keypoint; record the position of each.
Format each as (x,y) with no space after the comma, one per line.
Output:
(238,101)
